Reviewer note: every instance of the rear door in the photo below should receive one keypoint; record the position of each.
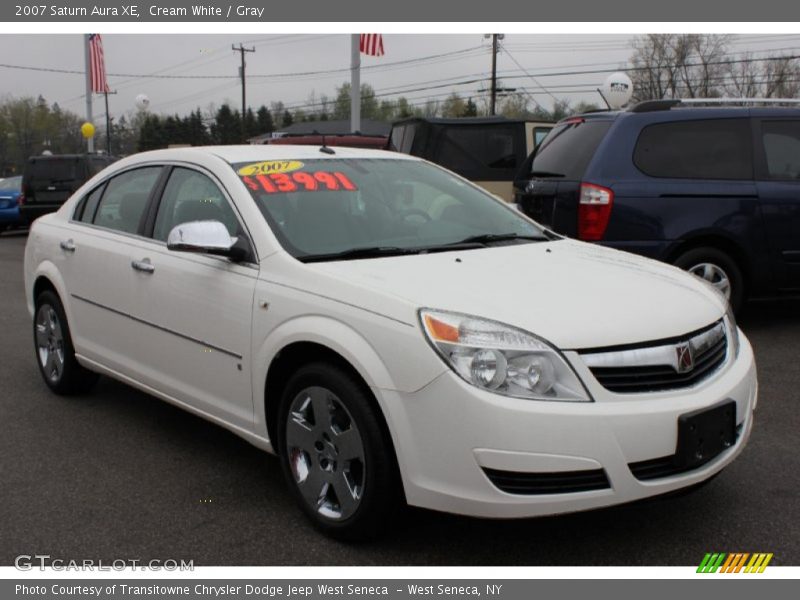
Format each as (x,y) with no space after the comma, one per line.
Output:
(778,179)
(95,252)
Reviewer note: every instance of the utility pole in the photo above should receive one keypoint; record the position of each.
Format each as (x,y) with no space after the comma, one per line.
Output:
(241,50)
(493,102)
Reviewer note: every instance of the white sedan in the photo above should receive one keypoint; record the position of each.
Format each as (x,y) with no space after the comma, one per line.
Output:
(391,331)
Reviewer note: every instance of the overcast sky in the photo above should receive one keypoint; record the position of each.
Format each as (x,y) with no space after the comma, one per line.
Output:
(289,68)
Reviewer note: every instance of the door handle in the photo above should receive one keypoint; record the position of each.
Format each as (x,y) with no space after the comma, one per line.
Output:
(67,245)
(145,266)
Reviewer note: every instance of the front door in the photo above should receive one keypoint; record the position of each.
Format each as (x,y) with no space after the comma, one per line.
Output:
(195,311)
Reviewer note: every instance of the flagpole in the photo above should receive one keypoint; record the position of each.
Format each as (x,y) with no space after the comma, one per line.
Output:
(355,83)
(108,126)
(89,140)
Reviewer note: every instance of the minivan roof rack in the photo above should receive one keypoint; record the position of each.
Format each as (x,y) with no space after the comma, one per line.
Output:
(654,105)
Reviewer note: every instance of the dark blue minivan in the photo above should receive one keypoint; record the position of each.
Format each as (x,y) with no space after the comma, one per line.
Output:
(712,189)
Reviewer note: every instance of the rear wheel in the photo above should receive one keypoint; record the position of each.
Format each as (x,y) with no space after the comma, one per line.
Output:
(717,269)
(54,351)
(334,454)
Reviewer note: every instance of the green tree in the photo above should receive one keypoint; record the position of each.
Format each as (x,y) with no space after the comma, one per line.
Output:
(227,128)
(471,109)
(264,120)
(369,102)
(251,124)
(453,106)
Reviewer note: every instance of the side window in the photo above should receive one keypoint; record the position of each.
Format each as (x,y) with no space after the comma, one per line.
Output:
(707,149)
(479,152)
(89,205)
(192,196)
(397,137)
(125,199)
(781,143)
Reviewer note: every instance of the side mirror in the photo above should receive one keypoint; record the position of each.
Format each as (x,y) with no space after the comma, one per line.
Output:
(204,237)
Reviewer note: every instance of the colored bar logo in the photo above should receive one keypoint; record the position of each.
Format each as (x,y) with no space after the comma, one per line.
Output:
(735,562)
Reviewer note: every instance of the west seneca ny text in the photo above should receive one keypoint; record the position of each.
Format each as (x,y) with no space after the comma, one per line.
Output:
(138,10)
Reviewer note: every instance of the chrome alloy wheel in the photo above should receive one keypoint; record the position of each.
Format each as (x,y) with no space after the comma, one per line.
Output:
(50,342)
(326,453)
(713,275)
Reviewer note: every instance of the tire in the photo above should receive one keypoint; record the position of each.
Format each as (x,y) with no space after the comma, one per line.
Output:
(335,455)
(716,267)
(55,354)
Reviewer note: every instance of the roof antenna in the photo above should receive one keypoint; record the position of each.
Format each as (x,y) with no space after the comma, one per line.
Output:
(324,147)
(599,91)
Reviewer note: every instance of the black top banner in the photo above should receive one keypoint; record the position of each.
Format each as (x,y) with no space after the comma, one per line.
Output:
(261,11)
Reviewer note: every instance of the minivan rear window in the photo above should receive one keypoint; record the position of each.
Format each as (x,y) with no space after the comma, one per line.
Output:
(568,148)
(55,169)
(697,149)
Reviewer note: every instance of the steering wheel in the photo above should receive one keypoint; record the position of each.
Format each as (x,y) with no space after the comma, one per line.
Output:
(415,212)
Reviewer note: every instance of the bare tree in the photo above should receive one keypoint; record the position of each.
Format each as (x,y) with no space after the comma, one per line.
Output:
(781,77)
(773,77)
(744,78)
(678,65)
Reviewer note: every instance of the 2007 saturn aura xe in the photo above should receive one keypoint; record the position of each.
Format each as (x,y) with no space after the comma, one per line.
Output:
(391,331)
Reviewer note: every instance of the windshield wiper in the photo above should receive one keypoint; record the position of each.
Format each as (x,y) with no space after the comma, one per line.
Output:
(488,238)
(355,253)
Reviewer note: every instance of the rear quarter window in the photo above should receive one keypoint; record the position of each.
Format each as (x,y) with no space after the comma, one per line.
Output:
(697,149)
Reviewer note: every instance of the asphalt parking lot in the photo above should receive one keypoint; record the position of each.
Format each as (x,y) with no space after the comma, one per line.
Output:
(118,474)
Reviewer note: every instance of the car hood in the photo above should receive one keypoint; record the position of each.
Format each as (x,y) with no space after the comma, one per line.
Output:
(573,294)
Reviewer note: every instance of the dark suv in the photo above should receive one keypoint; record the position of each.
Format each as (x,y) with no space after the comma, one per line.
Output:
(712,189)
(48,180)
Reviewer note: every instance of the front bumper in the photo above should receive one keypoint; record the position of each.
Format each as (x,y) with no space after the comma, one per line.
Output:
(449,432)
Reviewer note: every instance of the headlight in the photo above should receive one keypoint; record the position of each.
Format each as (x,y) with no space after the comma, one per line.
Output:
(733,332)
(501,358)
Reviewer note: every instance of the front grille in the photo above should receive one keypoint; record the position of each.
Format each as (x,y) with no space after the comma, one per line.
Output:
(630,378)
(563,482)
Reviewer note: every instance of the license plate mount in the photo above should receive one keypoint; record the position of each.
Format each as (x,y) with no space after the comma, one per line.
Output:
(704,434)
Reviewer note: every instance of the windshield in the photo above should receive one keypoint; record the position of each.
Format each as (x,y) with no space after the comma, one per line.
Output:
(322,208)
(11,184)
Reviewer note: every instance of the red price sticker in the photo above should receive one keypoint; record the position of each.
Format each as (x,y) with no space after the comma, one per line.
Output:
(316,181)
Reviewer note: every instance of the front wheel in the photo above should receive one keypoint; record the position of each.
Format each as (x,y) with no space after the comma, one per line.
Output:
(335,455)
(54,351)
(717,269)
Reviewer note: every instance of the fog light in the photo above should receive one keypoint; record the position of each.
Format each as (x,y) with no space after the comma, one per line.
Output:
(488,368)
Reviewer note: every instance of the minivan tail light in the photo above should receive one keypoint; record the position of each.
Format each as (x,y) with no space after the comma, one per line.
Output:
(594,210)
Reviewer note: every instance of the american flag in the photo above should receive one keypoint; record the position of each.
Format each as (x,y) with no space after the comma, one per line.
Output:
(97,64)
(372,44)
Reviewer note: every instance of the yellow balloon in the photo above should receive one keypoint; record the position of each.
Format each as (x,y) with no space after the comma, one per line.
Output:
(87,130)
